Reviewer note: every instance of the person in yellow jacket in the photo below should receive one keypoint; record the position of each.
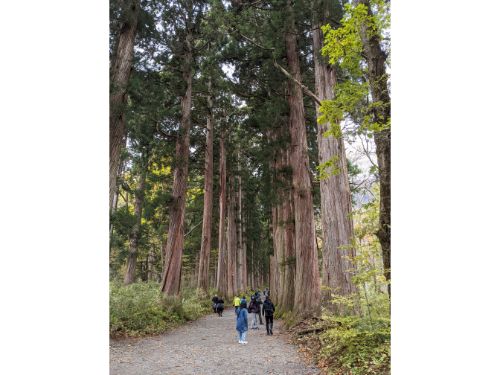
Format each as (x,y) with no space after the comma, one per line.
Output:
(236,302)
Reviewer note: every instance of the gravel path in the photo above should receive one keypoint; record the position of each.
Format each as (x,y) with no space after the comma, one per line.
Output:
(208,346)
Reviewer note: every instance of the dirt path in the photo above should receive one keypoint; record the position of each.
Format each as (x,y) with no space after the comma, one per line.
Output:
(208,346)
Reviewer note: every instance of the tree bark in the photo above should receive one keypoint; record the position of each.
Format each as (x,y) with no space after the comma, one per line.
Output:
(288,264)
(136,229)
(307,283)
(377,78)
(151,258)
(283,223)
(206,233)
(222,258)
(175,240)
(336,206)
(242,253)
(232,288)
(121,66)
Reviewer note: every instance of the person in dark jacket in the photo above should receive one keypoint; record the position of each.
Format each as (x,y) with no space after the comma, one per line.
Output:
(268,308)
(253,308)
(214,303)
(242,322)
(258,299)
(219,306)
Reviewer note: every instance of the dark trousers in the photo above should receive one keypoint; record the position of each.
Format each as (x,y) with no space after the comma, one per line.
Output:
(269,323)
(260,315)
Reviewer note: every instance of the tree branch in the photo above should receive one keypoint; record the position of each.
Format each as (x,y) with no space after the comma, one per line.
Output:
(165,135)
(306,90)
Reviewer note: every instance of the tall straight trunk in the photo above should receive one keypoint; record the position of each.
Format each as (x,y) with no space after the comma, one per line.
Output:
(252,267)
(283,224)
(206,233)
(336,207)
(278,244)
(289,260)
(222,258)
(175,241)
(151,258)
(121,66)
(242,254)
(377,78)
(232,287)
(136,229)
(277,227)
(307,282)
(273,275)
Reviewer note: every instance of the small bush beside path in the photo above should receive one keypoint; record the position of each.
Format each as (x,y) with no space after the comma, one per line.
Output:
(141,309)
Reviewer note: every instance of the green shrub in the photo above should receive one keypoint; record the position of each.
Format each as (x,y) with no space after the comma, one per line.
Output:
(140,309)
(358,346)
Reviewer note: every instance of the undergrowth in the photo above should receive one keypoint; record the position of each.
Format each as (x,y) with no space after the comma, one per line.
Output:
(356,346)
(140,309)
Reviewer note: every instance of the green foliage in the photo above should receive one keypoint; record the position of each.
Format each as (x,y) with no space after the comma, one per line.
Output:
(329,168)
(344,48)
(357,345)
(141,309)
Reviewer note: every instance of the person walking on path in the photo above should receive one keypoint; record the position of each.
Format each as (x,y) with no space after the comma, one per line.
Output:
(220,306)
(253,308)
(242,322)
(258,299)
(269,314)
(236,303)
(214,302)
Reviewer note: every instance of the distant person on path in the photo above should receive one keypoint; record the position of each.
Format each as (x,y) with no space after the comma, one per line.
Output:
(242,322)
(253,308)
(214,302)
(236,303)
(220,306)
(258,298)
(269,314)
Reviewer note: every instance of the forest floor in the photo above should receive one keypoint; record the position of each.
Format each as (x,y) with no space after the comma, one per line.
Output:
(209,345)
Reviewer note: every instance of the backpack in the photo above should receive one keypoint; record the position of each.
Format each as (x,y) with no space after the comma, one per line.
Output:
(268,309)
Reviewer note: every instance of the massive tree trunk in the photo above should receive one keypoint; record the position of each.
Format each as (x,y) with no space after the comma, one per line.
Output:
(175,240)
(242,252)
(276,228)
(206,234)
(232,287)
(336,208)
(283,223)
(121,66)
(377,77)
(136,229)
(222,258)
(288,264)
(307,282)
(273,275)
(278,244)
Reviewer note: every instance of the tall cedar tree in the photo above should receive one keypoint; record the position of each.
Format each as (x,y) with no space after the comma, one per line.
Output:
(377,77)
(336,207)
(206,237)
(307,280)
(121,66)
(171,280)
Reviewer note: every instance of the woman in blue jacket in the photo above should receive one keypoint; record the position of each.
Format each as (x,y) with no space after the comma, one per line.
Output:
(242,322)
